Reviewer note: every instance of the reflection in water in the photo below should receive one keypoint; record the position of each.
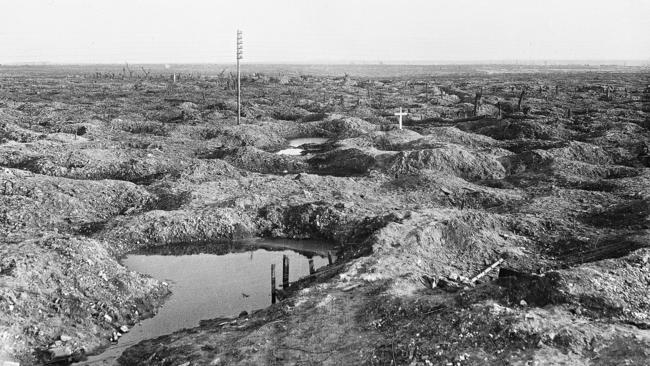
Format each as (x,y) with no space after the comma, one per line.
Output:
(205,285)
(297,143)
(307,140)
(305,247)
(290,151)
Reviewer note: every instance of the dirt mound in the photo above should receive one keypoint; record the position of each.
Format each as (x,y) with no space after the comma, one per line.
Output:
(603,287)
(441,189)
(382,140)
(35,201)
(627,142)
(343,126)
(207,224)
(293,130)
(612,287)
(318,220)
(64,286)
(438,243)
(393,139)
(547,163)
(581,151)
(522,145)
(169,115)
(141,127)
(452,159)
(208,170)
(518,129)
(452,135)
(630,215)
(58,159)
(12,132)
(260,136)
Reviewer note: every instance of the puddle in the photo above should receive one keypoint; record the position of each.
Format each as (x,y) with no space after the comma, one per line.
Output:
(296,143)
(212,281)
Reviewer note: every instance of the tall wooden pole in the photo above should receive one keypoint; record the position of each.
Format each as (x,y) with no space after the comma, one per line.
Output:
(240,55)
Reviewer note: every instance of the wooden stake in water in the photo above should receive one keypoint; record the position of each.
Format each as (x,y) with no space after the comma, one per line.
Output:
(273,284)
(311,266)
(330,260)
(285,272)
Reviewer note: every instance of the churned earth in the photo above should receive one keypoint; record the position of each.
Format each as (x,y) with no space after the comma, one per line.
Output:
(547,171)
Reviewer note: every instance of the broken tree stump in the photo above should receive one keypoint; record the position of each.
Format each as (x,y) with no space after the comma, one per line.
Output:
(521,99)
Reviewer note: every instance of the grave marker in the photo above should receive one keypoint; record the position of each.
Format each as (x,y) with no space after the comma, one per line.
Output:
(400,114)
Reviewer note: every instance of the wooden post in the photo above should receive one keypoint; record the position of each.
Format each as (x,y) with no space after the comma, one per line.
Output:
(273,284)
(329,257)
(311,266)
(285,272)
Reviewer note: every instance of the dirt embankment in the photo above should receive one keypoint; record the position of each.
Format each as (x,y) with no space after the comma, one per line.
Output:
(561,196)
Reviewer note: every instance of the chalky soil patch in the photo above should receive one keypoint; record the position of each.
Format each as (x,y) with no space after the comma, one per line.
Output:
(208,284)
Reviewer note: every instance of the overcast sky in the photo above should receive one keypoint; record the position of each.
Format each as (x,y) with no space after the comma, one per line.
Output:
(175,31)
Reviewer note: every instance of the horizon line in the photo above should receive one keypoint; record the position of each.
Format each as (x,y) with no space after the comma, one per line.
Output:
(519,62)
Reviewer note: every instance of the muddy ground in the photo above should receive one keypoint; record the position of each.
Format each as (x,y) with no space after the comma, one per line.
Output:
(549,171)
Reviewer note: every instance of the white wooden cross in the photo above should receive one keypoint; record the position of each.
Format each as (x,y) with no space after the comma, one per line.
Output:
(400,114)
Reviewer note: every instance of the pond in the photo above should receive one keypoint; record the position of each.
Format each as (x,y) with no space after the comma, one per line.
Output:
(213,281)
(296,143)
